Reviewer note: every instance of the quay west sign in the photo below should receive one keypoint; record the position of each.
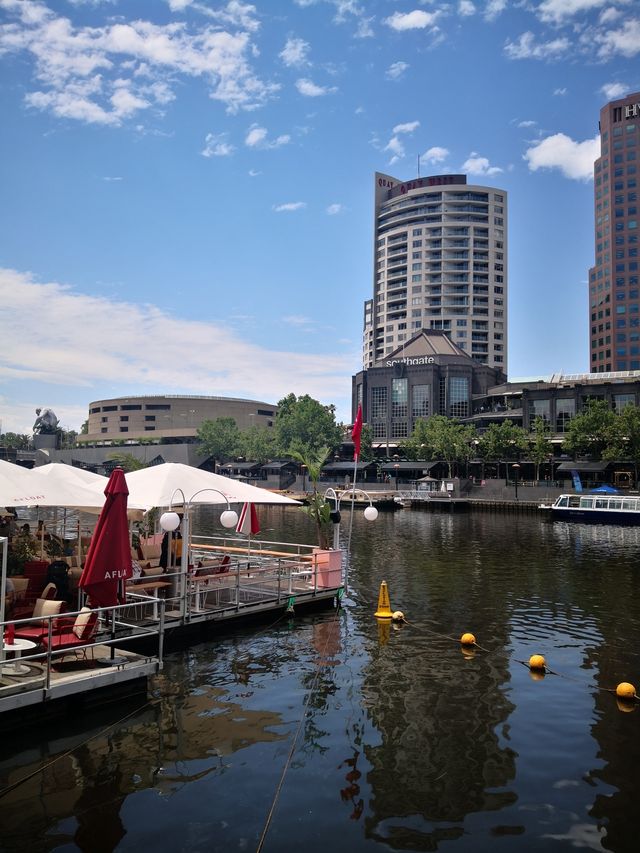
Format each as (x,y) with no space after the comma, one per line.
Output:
(423,359)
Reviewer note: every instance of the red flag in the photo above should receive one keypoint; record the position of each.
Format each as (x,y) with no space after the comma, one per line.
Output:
(355,433)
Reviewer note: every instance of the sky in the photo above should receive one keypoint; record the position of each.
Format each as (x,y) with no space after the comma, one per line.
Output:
(187,185)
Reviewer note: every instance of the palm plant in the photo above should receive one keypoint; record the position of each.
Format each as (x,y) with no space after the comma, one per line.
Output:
(318,509)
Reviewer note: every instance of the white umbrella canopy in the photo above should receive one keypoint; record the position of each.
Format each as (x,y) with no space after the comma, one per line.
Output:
(172,484)
(60,485)
(14,483)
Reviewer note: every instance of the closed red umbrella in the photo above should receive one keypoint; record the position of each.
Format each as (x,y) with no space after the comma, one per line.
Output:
(248,522)
(108,560)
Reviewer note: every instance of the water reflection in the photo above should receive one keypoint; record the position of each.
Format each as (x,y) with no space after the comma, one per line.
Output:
(405,740)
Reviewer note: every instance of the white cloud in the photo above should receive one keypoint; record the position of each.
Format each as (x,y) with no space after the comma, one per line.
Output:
(476,165)
(253,173)
(310,90)
(289,206)
(407,127)
(557,11)
(416,20)
(526,48)
(216,145)
(466,8)
(51,323)
(527,123)
(435,155)
(107,74)
(257,137)
(110,179)
(334,209)
(608,15)
(494,8)
(574,159)
(396,146)
(560,92)
(298,320)
(625,40)
(294,53)
(396,70)
(614,90)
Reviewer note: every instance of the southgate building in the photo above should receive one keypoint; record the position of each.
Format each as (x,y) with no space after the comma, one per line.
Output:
(440,263)
(614,294)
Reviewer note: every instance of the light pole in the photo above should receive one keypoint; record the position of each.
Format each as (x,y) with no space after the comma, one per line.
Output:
(304,478)
(170,521)
(395,471)
(516,473)
(370,513)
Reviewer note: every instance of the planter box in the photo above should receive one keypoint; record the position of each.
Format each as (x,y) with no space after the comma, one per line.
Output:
(328,565)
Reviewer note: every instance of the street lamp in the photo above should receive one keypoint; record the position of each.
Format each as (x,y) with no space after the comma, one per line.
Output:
(370,513)
(516,473)
(395,470)
(304,477)
(170,521)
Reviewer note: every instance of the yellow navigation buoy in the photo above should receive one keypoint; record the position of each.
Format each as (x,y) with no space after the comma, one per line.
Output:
(397,616)
(384,606)
(626,691)
(537,662)
(468,639)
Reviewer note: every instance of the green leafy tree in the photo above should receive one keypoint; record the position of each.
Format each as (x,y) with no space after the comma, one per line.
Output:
(317,508)
(127,461)
(439,437)
(220,439)
(16,440)
(84,429)
(503,441)
(624,438)
(257,444)
(366,444)
(540,445)
(592,431)
(305,426)
(68,438)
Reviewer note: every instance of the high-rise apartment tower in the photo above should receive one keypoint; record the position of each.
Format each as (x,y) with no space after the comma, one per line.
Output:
(614,301)
(440,262)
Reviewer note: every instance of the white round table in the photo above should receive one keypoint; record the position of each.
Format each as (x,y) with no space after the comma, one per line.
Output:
(17,646)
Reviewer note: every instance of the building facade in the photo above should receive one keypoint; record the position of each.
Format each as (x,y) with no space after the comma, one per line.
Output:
(169,417)
(429,375)
(440,263)
(614,300)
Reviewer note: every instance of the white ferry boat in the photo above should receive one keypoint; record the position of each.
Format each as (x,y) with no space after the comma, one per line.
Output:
(596,509)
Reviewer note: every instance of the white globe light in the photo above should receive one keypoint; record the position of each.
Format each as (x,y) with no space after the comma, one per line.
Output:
(371,513)
(229,518)
(169,521)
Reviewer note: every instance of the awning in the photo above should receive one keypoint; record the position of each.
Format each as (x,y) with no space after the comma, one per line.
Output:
(345,467)
(586,467)
(424,467)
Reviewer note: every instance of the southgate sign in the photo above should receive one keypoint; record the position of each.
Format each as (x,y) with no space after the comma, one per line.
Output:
(424,359)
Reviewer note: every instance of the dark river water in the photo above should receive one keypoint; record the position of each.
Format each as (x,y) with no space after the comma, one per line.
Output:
(330,732)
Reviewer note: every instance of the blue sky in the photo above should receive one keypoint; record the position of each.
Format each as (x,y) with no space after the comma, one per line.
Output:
(188,184)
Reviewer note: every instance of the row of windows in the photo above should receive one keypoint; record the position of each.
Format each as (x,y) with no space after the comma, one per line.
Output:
(130,407)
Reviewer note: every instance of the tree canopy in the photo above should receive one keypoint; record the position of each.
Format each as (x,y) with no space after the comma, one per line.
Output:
(220,438)
(303,425)
(593,431)
(439,437)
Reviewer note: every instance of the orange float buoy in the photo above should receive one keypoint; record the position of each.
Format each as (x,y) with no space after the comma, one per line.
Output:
(626,691)
(537,662)
(468,639)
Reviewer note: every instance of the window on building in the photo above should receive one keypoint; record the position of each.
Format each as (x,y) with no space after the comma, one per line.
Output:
(540,409)
(622,400)
(379,403)
(458,397)
(565,410)
(420,401)
(399,398)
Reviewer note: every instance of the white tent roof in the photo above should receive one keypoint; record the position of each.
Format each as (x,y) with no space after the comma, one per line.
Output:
(173,483)
(61,485)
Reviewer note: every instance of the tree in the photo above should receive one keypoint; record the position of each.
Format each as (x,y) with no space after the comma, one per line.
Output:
(624,438)
(318,508)
(366,444)
(17,440)
(303,425)
(540,447)
(592,431)
(127,461)
(84,429)
(220,438)
(439,437)
(502,441)
(257,444)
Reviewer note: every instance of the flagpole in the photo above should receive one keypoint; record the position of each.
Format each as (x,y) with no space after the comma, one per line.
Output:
(355,435)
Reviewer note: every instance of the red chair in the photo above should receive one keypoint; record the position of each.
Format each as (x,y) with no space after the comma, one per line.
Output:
(73,638)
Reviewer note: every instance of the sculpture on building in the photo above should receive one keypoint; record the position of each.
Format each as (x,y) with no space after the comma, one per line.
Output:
(46,423)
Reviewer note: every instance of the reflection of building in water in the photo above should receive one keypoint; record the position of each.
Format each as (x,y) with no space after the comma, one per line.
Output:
(441,755)
(183,738)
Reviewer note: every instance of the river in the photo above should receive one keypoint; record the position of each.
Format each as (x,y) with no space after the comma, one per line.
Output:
(330,731)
